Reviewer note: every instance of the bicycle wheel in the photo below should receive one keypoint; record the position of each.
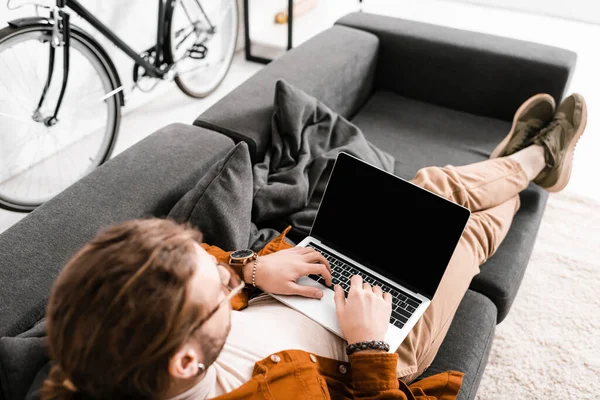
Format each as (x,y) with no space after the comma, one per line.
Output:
(201,40)
(39,161)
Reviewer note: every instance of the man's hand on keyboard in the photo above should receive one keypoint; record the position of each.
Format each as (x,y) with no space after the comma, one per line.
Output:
(278,272)
(365,314)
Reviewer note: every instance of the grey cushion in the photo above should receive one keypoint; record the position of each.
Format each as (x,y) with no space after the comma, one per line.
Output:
(335,66)
(21,358)
(36,384)
(419,134)
(467,345)
(469,71)
(147,179)
(222,195)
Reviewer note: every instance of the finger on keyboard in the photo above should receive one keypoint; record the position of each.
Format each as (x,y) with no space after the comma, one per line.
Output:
(356,282)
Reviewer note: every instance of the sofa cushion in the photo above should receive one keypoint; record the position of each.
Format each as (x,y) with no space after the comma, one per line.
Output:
(21,358)
(223,194)
(467,345)
(418,135)
(145,180)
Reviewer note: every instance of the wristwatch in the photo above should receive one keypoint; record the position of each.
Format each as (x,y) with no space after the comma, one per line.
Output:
(239,258)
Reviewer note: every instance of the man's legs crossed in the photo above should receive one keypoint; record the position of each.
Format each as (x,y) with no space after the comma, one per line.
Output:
(490,189)
(477,186)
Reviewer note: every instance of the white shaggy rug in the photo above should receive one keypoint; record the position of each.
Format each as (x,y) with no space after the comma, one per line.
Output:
(548,347)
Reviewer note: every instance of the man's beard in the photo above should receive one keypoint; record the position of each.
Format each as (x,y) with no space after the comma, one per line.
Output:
(212,346)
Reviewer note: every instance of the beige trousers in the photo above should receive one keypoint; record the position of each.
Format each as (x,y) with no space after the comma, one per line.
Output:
(490,190)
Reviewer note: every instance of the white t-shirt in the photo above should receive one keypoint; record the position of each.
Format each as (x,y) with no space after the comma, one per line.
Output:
(265,327)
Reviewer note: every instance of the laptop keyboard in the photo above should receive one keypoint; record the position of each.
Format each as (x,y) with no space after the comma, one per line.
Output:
(403,304)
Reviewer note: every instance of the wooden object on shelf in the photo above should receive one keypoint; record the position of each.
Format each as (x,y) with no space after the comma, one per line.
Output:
(301,7)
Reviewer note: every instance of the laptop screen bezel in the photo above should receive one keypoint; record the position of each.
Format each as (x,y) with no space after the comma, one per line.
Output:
(459,209)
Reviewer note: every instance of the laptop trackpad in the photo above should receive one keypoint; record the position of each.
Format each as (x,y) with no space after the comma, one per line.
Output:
(320,310)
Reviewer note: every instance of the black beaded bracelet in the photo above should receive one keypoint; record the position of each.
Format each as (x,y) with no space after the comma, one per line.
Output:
(370,345)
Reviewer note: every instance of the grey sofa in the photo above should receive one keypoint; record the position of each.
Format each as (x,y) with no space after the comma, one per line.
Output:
(426,94)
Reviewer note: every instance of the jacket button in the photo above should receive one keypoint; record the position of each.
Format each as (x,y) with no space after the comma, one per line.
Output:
(313,358)
(342,369)
(275,358)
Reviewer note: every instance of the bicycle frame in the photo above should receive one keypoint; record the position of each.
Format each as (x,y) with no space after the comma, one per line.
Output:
(158,70)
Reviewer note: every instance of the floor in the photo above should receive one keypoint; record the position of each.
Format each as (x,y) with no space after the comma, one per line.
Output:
(148,112)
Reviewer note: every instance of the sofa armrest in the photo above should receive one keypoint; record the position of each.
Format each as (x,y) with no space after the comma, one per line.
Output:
(336,66)
(145,180)
(468,71)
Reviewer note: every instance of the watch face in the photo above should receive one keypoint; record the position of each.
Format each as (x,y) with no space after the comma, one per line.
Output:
(242,254)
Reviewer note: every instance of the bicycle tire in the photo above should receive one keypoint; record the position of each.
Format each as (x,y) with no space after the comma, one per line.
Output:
(96,52)
(170,58)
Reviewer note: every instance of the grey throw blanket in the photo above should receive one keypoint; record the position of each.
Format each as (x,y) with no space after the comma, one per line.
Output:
(306,137)
(21,358)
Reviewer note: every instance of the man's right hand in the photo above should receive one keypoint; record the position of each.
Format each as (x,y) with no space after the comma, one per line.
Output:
(365,314)
(278,272)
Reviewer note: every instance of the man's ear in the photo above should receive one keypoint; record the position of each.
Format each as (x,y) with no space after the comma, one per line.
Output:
(184,363)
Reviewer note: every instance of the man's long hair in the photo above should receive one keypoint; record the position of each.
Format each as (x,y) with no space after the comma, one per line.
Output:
(118,311)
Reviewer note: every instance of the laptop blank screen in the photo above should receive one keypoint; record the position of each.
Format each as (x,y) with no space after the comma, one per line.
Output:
(398,229)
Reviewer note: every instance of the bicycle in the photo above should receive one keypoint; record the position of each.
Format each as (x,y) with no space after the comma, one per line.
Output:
(55,131)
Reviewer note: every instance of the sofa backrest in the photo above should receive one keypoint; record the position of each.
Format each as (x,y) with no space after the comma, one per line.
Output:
(145,180)
(336,66)
(469,71)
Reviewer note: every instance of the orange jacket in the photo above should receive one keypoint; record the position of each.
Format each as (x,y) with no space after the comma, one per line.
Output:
(296,374)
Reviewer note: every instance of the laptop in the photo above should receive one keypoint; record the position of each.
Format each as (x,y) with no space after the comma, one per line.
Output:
(390,231)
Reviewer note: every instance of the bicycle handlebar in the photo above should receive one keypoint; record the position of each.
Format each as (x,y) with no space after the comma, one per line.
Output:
(32,3)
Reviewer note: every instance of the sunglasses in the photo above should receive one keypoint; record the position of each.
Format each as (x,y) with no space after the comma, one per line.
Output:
(231,282)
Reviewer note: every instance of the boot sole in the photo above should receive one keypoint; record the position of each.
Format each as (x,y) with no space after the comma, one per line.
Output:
(530,102)
(565,175)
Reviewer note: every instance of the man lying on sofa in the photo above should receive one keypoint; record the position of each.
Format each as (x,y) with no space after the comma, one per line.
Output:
(144,310)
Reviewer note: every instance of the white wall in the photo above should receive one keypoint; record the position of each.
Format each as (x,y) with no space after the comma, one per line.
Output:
(579,10)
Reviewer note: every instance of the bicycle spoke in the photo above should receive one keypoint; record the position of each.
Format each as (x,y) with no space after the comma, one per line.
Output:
(223,15)
(99,93)
(205,15)
(18,151)
(18,147)
(33,171)
(201,66)
(84,104)
(8,90)
(185,38)
(186,11)
(33,68)
(26,84)
(66,157)
(37,76)
(16,118)
(28,171)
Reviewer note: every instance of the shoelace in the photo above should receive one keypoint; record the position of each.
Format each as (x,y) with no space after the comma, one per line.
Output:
(556,121)
(531,130)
